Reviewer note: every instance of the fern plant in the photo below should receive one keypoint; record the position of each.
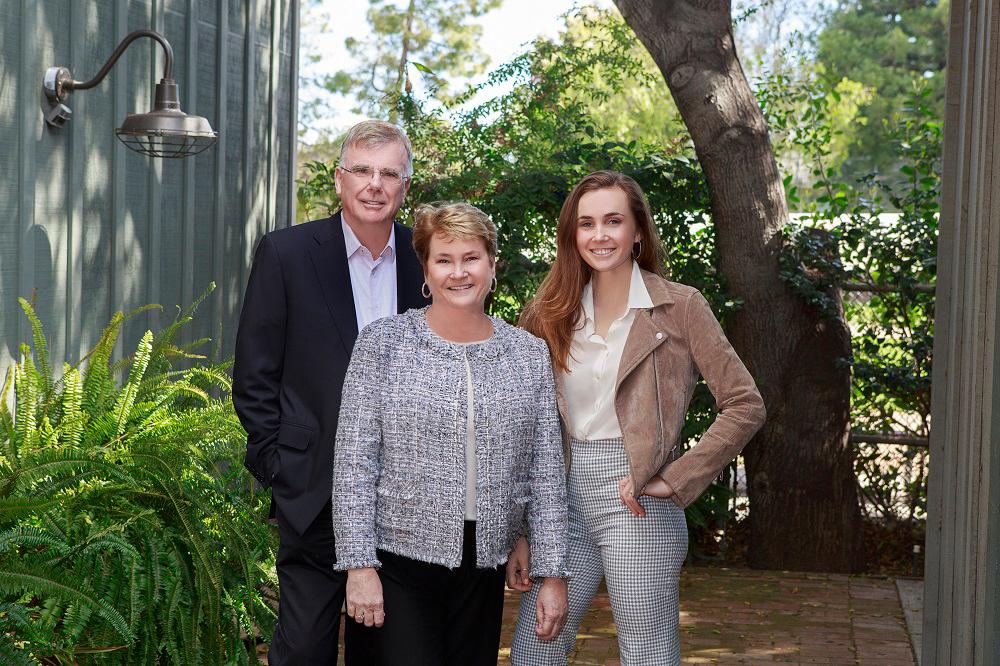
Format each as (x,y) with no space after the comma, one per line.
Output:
(129,533)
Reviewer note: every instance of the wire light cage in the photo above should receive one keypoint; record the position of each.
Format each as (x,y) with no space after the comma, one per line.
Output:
(165,143)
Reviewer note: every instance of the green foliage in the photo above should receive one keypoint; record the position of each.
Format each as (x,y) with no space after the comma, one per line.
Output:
(437,38)
(894,336)
(846,236)
(811,119)
(629,105)
(887,46)
(128,531)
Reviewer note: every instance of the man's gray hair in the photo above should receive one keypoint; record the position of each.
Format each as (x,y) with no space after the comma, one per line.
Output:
(376,133)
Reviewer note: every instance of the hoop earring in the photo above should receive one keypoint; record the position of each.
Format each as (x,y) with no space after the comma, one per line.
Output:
(425,291)
(493,285)
(637,254)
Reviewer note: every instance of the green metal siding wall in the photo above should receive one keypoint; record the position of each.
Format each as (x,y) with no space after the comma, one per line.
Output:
(88,227)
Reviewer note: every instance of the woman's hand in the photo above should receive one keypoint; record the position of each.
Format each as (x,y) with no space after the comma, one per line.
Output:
(364,597)
(656,487)
(518,564)
(551,608)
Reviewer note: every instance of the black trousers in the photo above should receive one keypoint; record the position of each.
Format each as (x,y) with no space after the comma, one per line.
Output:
(436,616)
(312,594)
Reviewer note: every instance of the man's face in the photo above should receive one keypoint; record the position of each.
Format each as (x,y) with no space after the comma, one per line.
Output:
(375,191)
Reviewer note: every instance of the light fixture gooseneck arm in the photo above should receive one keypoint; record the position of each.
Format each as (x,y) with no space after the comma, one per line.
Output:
(168,68)
(166,131)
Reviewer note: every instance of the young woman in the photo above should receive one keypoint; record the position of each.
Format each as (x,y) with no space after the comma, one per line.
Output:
(448,445)
(628,347)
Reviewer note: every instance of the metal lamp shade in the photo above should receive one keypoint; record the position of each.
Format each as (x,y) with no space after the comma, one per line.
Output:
(166,133)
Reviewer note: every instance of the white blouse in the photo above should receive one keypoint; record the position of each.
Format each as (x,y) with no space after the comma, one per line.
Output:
(593,365)
(471,466)
(471,462)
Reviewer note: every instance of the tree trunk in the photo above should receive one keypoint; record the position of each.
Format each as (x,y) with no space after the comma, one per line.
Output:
(804,511)
(402,84)
(405,54)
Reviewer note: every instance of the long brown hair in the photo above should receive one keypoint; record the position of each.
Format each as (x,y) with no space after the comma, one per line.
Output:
(555,309)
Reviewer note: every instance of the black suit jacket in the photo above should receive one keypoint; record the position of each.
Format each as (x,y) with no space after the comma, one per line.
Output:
(297,329)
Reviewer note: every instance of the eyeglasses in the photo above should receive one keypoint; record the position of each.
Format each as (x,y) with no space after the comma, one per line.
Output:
(388,176)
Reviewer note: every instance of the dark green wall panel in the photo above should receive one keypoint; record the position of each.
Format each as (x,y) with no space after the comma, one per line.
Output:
(205,268)
(94,228)
(234,255)
(10,144)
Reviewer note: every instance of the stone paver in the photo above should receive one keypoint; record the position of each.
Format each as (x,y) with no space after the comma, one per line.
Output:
(741,616)
(911,598)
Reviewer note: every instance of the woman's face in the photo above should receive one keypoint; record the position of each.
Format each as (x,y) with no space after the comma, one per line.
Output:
(459,272)
(605,229)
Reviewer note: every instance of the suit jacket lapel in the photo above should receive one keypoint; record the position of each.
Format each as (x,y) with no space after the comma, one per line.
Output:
(409,274)
(329,257)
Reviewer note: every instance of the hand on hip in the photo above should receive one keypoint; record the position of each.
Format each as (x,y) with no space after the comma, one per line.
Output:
(656,487)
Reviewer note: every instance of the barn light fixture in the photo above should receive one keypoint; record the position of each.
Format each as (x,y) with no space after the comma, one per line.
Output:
(166,131)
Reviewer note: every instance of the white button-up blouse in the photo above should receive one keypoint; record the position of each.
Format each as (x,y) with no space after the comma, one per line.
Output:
(593,365)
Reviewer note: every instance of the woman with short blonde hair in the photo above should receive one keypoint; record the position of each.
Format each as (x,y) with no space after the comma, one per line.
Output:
(448,444)
(455,220)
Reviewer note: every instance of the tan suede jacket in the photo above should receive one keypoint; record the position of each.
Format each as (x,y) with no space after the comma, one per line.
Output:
(668,346)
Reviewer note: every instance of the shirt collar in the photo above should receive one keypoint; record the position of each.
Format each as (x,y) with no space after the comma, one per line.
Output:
(352,243)
(638,296)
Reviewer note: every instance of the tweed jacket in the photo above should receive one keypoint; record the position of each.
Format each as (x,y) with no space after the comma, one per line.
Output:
(668,347)
(399,467)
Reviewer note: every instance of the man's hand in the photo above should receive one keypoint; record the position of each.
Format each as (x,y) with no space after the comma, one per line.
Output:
(551,608)
(656,487)
(364,597)
(518,564)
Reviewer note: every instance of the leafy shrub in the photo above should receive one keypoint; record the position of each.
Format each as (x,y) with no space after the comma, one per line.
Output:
(129,532)
(845,236)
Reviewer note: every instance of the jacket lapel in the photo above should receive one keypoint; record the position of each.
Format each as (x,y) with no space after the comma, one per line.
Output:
(329,257)
(642,340)
(409,274)
(642,337)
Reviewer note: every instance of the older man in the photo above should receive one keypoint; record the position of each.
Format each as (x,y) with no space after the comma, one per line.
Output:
(311,289)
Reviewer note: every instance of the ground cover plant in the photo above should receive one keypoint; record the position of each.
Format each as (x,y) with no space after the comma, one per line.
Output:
(129,531)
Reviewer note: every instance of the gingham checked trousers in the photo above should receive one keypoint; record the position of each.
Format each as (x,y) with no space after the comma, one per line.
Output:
(640,558)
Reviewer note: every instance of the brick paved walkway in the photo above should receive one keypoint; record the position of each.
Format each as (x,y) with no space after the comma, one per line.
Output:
(756,617)
(740,616)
